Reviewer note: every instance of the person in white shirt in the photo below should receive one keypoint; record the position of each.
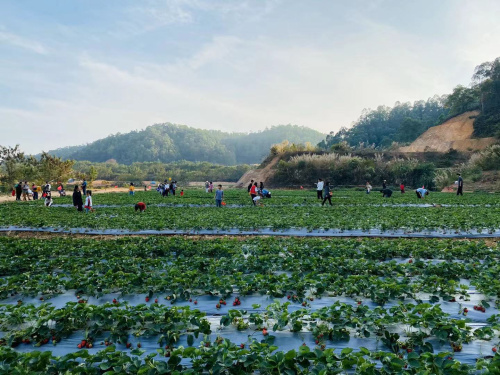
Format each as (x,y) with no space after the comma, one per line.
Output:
(88,202)
(48,200)
(368,187)
(319,188)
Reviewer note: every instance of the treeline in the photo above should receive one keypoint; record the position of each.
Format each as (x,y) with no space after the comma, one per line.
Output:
(182,171)
(348,170)
(167,143)
(381,127)
(405,122)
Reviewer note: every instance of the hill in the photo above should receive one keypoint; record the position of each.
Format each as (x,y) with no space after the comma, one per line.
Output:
(456,134)
(169,143)
(405,122)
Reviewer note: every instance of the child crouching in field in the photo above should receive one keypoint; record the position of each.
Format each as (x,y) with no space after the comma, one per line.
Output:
(88,202)
(48,200)
(141,206)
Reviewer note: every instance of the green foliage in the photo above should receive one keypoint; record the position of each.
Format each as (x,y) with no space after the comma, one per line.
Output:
(487,80)
(182,171)
(353,170)
(381,127)
(168,143)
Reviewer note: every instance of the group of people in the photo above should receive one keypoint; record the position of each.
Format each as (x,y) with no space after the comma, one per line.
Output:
(165,188)
(27,192)
(257,192)
(78,198)
(420,192)
(323,191)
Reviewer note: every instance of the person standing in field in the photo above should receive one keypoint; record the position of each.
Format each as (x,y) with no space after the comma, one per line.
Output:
(206,186)
(84,187)
(34,189)
(319,188)
(402,188)
(141,206)
(77,199)
(26,189)
(327,194)
(173,187)
(253,192)
(131,189)
(19,190)
(249,187)
(219,196)
(460,185)
(88,202)
(368,187)
(384,184)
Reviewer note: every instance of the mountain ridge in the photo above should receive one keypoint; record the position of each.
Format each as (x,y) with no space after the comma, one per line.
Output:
(169,142)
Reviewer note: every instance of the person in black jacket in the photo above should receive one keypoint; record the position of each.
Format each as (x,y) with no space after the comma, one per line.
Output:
(327,194)
(250,186)
(77,199)
(19,190)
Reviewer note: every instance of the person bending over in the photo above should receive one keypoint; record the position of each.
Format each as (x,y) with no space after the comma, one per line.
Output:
(141,206)
(386,193)
(421,192)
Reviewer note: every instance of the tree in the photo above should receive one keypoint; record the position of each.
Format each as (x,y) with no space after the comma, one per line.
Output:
(12,160)
(52,168)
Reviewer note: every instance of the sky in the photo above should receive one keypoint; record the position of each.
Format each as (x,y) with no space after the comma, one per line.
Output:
(75,71)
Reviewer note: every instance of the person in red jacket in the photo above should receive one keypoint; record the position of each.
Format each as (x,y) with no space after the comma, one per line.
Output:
(140,206)
(253,192)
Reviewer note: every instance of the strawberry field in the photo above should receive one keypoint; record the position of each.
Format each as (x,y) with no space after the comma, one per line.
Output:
(259,304)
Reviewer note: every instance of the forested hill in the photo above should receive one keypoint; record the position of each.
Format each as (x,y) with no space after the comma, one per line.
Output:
(170,142)
(405,122)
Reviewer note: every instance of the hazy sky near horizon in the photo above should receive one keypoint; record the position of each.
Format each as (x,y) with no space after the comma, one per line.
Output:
(72,72)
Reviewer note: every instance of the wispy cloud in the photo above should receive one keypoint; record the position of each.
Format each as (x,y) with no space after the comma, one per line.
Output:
(19,41)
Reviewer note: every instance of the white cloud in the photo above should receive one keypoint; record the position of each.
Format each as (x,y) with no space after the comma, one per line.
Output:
(21,42)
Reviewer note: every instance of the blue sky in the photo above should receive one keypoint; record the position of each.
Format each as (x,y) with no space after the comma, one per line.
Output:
(75,71)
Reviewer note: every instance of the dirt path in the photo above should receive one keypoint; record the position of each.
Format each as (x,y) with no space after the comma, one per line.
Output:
(258,175)
(55,194)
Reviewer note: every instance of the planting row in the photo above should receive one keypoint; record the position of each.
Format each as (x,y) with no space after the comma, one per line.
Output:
(251,218)
(179,269)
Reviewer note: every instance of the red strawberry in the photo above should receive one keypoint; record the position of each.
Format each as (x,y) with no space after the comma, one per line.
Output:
(129,345)
(264,332)
(218,306)
(156,300)
(195,302)
(409,350)
(147,299)
(317,342)
(288,297)
(242,346)
(139,345)
(410,261)
(41,298)
(190,300)
(494,350)
(84,342)
(79,346)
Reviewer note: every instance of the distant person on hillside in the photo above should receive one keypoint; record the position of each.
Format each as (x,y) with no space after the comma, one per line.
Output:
(131,189)
(384,184)
(460,184)
(19,190)
(88,202)
(207,184)
(402,188)
(77,199)
(253,192)
(319,188)
(219,196)
(141,206)
(386,193)
(250,186)
(48,200)
(327,194)
(368,187)
(84,187)
(421,192)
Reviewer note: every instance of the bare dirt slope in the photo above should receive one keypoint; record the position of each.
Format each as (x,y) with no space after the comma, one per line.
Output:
(456,133)
(258,174)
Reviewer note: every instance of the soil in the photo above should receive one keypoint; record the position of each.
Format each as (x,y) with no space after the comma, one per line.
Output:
(456,133)
(258,174)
